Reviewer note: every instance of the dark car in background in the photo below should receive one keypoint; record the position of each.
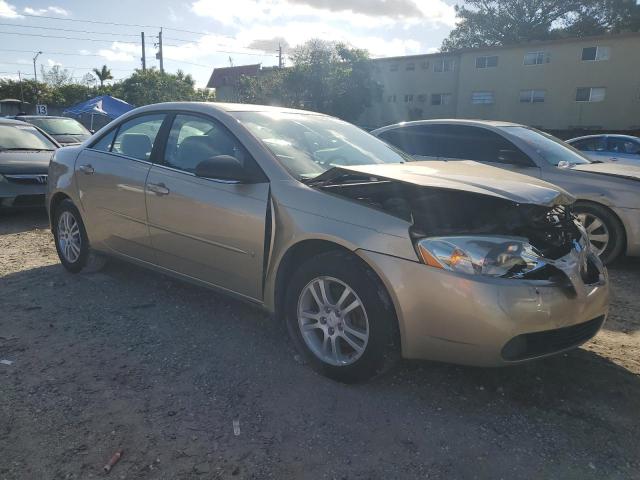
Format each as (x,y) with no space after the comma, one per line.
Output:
(66,131)
(25,152)
(609,148)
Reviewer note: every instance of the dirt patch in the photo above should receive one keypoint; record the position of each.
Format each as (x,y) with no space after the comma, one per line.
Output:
(191,384)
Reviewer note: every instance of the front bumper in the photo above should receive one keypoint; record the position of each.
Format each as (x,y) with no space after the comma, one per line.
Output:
(23,192)
(469,320)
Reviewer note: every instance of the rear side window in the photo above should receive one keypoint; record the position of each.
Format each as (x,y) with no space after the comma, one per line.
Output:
(413,140)
(135,138)
(597,144)
(622,145)
(104,144)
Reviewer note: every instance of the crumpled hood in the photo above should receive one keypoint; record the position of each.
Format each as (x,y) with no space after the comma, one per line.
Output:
(615,169)
(469,176)
(17,162)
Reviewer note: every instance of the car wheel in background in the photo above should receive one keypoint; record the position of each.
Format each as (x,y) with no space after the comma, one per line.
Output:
(340,317)
(606,233)
(72,243)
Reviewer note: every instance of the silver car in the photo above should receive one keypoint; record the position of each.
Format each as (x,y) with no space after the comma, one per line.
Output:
(362,252)
(608,194)
(609,148)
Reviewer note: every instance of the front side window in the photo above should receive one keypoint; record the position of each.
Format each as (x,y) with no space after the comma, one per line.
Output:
(551,149)
(595,54)
(136,137)
(193,139)
(590,94)
(104,144)
(307,145)
(480,98)
(488,61)
(23,137)
(532,96)
(622,145)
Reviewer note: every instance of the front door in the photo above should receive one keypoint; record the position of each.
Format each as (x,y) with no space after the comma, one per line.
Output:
(211,230)
(111,175)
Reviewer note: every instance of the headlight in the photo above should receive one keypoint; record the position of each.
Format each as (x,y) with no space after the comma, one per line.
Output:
(494,256)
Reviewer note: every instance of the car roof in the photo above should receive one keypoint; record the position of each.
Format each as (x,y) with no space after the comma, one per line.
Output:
(223,107)
(450,121)
(611,135)
(10,121)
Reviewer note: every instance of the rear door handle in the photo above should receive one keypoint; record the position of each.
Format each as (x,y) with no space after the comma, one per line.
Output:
(158,188)
(86,169)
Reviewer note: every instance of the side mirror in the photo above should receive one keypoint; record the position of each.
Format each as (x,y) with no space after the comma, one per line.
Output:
(92,131)
(514,157)
(223,167)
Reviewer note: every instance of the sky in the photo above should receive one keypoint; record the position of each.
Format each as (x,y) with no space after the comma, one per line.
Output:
(199,35)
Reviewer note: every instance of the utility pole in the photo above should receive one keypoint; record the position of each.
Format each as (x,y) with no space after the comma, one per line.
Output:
(280,64)
(159,54)
(21,92)
(144,56)
(35,75)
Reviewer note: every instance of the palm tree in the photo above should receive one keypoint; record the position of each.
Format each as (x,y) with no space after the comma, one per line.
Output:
(103,74)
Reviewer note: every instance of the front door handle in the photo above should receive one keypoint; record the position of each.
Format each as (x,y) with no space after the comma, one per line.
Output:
(158,188)
(86,169)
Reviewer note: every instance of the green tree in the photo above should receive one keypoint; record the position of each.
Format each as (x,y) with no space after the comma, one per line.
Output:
(56,76)
(502,22)
(153,86)
(103,74)
(325,77)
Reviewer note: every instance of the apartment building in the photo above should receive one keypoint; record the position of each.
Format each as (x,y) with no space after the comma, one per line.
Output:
(590,83)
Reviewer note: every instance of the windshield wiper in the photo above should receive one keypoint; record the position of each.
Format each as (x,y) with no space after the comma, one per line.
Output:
(26,149)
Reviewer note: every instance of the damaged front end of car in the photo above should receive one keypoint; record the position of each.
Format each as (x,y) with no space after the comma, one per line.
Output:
(471,226)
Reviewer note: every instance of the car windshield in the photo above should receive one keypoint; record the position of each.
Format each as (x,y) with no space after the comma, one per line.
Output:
(60,126)
(552,149)
(307,145)
(23,137)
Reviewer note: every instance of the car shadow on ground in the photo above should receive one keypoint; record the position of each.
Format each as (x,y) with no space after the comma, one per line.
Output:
(18,221)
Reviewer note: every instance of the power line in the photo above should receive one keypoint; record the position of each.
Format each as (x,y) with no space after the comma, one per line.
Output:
(92,21)
(70,67)
(69,30)
(67,38)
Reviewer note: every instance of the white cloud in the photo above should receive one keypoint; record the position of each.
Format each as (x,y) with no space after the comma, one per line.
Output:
(45,11)
(360,13)
(120,52)
(84,51)
(53,63)
(7,10)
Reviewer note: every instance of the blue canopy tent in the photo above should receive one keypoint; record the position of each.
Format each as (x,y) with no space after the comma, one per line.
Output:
(103,105)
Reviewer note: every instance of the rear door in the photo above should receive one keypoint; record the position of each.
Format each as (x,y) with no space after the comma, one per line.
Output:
(208,229)
(111,176)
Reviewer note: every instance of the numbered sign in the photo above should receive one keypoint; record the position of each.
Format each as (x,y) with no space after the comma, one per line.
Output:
(41,109)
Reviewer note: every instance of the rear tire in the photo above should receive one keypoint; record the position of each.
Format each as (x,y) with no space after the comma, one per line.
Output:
(350,340)
(72,242)
(606,232)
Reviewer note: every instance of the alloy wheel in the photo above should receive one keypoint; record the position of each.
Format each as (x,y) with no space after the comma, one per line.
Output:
(333,321)
(597,230)
(69,239)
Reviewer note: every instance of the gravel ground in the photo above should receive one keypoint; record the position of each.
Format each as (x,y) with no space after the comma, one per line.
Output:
(130,359)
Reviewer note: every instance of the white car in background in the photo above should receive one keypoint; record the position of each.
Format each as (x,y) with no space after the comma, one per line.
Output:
(609,148)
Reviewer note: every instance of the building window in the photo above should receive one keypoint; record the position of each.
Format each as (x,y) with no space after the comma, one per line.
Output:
(391,99)
(482,98)
(411,66)
(590,94)
(408,98)
(536,58)
(425,65)
(393,67)
(440,98)
(422,97)
(532,96)
(443,65)
(487,61)
(595,54)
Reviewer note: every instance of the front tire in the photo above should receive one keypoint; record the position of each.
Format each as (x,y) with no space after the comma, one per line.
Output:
(606,233)
(72,242)
(340,317)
